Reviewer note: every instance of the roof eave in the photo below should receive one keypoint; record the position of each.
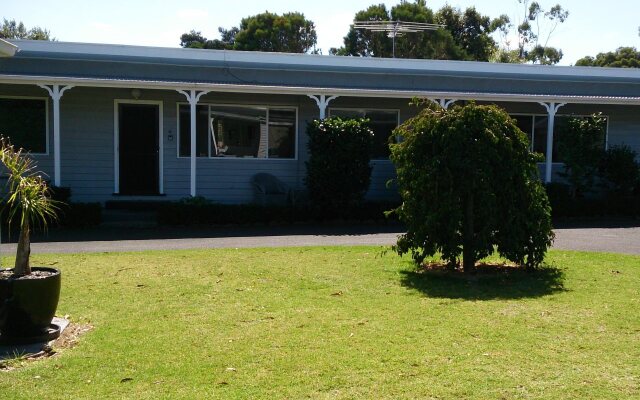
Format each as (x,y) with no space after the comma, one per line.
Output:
(300,90)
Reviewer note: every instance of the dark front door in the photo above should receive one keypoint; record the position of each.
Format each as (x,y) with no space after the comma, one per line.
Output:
(138,140)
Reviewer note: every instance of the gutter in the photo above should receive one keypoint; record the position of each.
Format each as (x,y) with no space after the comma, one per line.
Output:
(8,49)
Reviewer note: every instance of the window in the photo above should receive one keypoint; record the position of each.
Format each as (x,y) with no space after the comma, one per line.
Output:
(535,127)
(24,121)
(240,131)
(381,122)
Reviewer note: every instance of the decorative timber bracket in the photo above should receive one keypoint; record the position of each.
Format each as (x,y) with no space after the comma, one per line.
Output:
(444,103)
(323,102)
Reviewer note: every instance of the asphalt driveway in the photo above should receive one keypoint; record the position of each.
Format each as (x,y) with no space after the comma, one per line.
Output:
(621,237)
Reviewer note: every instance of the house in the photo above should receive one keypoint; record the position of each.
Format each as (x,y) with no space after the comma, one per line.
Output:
(132,122)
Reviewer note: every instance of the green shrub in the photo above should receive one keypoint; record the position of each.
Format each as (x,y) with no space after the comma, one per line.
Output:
(581,143)
(338,171)
(74,215)
(60,194)
(561,200)
(468,183)
(620,170)
(612,204)
(80,215)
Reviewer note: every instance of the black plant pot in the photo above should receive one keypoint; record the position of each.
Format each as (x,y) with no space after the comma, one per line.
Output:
(27,307)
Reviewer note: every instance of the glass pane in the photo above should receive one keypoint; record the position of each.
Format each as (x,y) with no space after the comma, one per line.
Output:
(559,129)
(382,123)
(202,131)
(540,135)
(239,131)
(282,133)
(24,121)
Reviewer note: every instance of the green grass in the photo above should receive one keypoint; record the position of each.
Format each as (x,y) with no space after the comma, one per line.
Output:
(338,323)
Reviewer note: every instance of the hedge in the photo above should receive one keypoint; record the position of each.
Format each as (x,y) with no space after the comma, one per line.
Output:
(201,212)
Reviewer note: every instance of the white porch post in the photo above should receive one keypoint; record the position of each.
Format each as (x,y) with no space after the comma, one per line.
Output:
(323,102)
(56,91)
(193,96)
(444,103)
(552,108)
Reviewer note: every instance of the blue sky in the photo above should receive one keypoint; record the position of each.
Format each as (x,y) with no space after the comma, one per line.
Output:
(592,27)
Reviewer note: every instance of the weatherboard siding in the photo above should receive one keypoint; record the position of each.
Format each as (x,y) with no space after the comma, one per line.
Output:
(87,137)
(86,150)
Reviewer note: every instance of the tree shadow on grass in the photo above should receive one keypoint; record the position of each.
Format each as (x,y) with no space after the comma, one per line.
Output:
(488,282)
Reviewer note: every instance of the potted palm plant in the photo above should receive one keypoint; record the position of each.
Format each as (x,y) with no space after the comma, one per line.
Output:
(28,296)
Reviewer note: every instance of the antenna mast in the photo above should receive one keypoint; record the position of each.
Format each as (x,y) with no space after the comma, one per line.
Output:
(396,28)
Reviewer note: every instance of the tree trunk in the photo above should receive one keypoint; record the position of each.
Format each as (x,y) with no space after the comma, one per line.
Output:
(22,266)
(468,253)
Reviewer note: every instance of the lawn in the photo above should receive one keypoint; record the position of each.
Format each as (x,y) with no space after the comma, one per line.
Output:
(338,323)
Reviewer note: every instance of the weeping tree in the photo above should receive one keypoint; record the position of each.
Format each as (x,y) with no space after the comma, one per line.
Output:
(27,201)
(469,185)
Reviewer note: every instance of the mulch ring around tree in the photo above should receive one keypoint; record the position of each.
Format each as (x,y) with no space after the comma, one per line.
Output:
(485,268)
(24,354)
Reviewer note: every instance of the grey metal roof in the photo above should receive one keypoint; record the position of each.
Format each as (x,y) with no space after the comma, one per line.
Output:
(219,67)
(181,56)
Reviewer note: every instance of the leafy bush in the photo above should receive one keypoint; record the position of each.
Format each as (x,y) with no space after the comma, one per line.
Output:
(60,194)
(581,143)
(74,215)
(468,183)
(80,215)
(563,204)
(620,170)
(338,171)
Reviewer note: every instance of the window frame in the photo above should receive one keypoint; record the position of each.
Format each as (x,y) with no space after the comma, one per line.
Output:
(543,115)
(396,110)
(255,106)
(47,128)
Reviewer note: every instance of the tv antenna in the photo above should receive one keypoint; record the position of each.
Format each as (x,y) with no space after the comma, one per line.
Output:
(395,29)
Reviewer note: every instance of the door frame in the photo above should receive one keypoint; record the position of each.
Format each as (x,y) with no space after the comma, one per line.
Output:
(116,141)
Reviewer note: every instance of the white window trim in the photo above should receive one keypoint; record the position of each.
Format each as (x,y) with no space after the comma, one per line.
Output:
(532,139)
(263,106)
(46,107)
(116,142)
(396,110)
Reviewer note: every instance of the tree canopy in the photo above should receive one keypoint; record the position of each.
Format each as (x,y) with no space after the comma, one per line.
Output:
(287,33)
(623,57)
(471,31)
(195,40)
(533,34)
(16,30)
(466,36)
